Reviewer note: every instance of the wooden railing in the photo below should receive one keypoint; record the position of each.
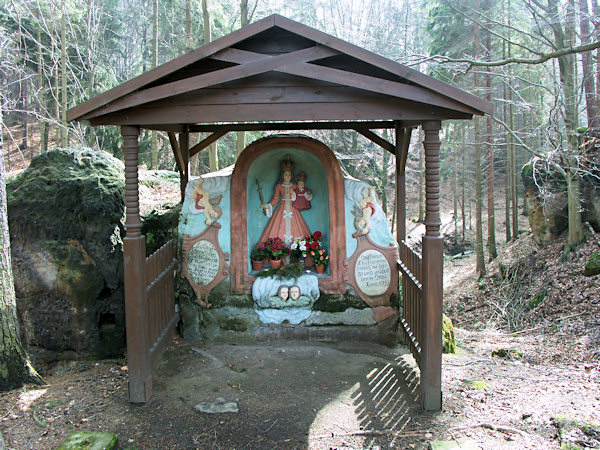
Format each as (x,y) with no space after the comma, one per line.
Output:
(411,268)
(159,273)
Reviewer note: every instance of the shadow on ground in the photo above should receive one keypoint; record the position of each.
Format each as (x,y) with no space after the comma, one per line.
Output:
(290,395)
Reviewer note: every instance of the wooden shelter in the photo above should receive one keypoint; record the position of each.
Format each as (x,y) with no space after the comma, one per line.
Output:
(277,74)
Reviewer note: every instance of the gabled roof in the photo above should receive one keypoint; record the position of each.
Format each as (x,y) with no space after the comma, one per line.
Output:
(277,69)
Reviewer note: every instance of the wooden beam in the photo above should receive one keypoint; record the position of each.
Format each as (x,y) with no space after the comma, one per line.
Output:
(169,113)
(175,128)
(400,187)
(176,152)
(377,139)
(197,82)
(403,145)
(207,141)
(184,175)
(374,84)
(284,126)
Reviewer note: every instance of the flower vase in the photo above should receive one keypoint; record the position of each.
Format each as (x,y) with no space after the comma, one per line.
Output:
(320,268)
(275,263)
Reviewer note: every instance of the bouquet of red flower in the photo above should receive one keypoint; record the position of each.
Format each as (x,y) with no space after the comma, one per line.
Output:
(314,249)
(313,242)
(276,248)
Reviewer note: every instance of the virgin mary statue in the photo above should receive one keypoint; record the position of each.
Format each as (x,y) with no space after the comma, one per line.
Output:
(285,222)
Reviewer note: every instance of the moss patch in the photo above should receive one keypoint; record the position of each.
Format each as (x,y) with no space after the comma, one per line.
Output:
(72,193)
(90,440)
(448,340)
(592,267)
(478,384)
(159,226)
(338,303)
(507,353)
(78,277)
(536,300)
(233,324)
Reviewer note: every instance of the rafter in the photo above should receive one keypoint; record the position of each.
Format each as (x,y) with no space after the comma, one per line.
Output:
(345,78)
(206,142)
(403,147)
(176,152)
(377,139)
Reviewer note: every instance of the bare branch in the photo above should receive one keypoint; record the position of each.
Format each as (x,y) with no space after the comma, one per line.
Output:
(548,56)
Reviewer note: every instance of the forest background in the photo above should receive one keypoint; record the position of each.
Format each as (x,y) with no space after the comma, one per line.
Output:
(538,62)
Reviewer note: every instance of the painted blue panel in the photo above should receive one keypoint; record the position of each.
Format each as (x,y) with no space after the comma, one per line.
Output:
(193,222)
(379,232)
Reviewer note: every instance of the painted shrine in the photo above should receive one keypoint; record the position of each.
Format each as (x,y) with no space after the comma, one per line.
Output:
(330,255)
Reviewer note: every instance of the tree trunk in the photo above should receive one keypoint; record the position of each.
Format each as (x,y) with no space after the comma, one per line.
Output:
(565,37)
(23,102)
(41,99)
(463,196)
(511,145)
(455,197)
(491,241)
(589,84)
(64,135)
(575,235)
(478,174)
(596,10)
(154,135)
(15,367)
(507,173)
(188,25)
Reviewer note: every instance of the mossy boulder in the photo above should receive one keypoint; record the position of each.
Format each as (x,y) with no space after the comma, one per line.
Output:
(65,217)
(448,339)
(592,267)
(159,226)
(545,199)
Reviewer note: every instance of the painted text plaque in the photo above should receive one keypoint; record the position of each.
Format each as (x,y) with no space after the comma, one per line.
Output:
(203,262)
(373,273)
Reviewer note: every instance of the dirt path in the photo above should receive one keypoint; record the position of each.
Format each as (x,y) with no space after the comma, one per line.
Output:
(312,395)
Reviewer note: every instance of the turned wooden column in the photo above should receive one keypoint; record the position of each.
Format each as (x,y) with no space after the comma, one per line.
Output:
(431,347)
(134,255)
(400,186)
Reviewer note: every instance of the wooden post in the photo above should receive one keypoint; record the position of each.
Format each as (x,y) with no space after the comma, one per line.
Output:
(184,146)
(431,353)
(400,186)
(134,255)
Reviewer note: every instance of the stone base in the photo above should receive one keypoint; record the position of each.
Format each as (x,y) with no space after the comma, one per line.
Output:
(243,324)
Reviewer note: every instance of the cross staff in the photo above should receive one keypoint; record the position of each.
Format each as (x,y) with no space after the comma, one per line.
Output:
(262,200)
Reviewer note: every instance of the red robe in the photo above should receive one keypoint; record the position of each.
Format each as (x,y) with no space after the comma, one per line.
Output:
(286,222)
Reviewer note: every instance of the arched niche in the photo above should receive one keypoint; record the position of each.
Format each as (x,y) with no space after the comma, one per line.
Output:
(263,157)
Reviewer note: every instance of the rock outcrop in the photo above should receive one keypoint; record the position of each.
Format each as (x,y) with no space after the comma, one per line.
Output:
(65,216)
(546,200)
